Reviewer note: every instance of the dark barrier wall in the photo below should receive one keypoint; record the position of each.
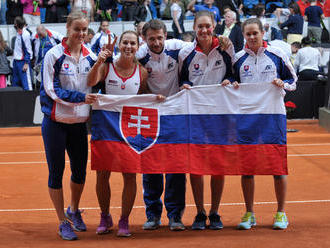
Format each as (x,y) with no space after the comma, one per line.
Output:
(308,97)
(16,107)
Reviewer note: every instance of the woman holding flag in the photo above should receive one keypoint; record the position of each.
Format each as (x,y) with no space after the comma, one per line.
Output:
(65,99)
(123,76)
(205,62)
(260,63)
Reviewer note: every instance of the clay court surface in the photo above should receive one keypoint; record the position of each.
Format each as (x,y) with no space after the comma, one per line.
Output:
(27,218)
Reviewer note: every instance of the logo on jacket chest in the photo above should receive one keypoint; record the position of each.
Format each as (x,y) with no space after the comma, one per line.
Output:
(197,71)
(246,71)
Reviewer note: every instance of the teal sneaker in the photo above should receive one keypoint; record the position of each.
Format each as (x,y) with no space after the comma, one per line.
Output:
(280,221)
(248,221)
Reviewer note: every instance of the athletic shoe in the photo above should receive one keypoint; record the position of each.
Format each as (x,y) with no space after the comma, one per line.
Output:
(105,224)
(215,222)
(66,232)
(152,223)
(176,224)
(123,228)
(248,221)
(280,221)
(77,221)
(199,222)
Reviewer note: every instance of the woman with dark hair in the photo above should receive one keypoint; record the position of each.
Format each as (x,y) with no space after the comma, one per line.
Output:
(260,63)
(295,24)
(123,76)
(101,37)
(307,61)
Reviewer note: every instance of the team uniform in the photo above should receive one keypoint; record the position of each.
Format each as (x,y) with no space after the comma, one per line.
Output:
(163,79)
(268,64)
(22,55)
(100,39)
(115,84)
(42,46)
(62,96)
(197,68)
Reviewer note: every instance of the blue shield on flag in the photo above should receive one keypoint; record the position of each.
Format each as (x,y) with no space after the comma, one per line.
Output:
(139,127)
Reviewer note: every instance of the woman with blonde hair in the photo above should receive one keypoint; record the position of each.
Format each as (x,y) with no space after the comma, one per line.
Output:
(65,101)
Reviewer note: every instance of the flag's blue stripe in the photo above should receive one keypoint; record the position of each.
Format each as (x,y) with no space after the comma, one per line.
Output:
(205,129)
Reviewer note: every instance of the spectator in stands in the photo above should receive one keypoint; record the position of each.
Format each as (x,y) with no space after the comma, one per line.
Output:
(3,9)
(107,10)
(56,10)
(142,12)
(85,6)
(14,8)
(295,46)
(42,42)
(138,28)
(295,24)
(4,63)
(101,37)
(248,7)
(188,37)
(31,11)
(88,38)
(303,4)
(307,61)
(22,56)
(128,10)
(234,5)
(177,16)
(231,30)
(270,33)
(313,15)
(208,6)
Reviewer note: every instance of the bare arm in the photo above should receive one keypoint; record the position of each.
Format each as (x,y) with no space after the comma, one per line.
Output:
(191,6)
(97,73)
(144,89)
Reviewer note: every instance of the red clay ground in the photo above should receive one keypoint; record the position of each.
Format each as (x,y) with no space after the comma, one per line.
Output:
(28,220)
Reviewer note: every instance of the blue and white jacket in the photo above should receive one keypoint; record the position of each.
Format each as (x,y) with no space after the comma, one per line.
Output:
(197,68)
(23,46)
(64,84)
(99,40)
(43,45)
(162,68)
(269,63)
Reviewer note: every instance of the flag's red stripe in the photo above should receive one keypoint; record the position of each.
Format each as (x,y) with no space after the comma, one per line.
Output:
(191,158)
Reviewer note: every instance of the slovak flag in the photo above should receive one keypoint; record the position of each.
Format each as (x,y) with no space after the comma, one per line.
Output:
(207,130)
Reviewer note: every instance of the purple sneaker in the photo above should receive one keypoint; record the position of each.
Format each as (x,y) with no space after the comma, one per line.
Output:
(77,221)
(66,232)
(123,228)
(105,224)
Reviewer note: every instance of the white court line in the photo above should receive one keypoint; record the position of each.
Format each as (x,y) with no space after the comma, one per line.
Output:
(187,205)
(44,162)
(32,152)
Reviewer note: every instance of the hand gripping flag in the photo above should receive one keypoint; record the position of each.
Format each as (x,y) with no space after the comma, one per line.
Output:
(211,130)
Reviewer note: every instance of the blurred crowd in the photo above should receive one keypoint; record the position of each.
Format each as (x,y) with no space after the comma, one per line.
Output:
(283,23)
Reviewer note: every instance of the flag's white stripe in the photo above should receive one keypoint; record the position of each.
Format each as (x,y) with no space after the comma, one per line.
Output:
(187,205)
(252,98)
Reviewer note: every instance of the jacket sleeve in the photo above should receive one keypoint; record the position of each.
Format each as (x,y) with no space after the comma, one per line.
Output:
(27,47)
